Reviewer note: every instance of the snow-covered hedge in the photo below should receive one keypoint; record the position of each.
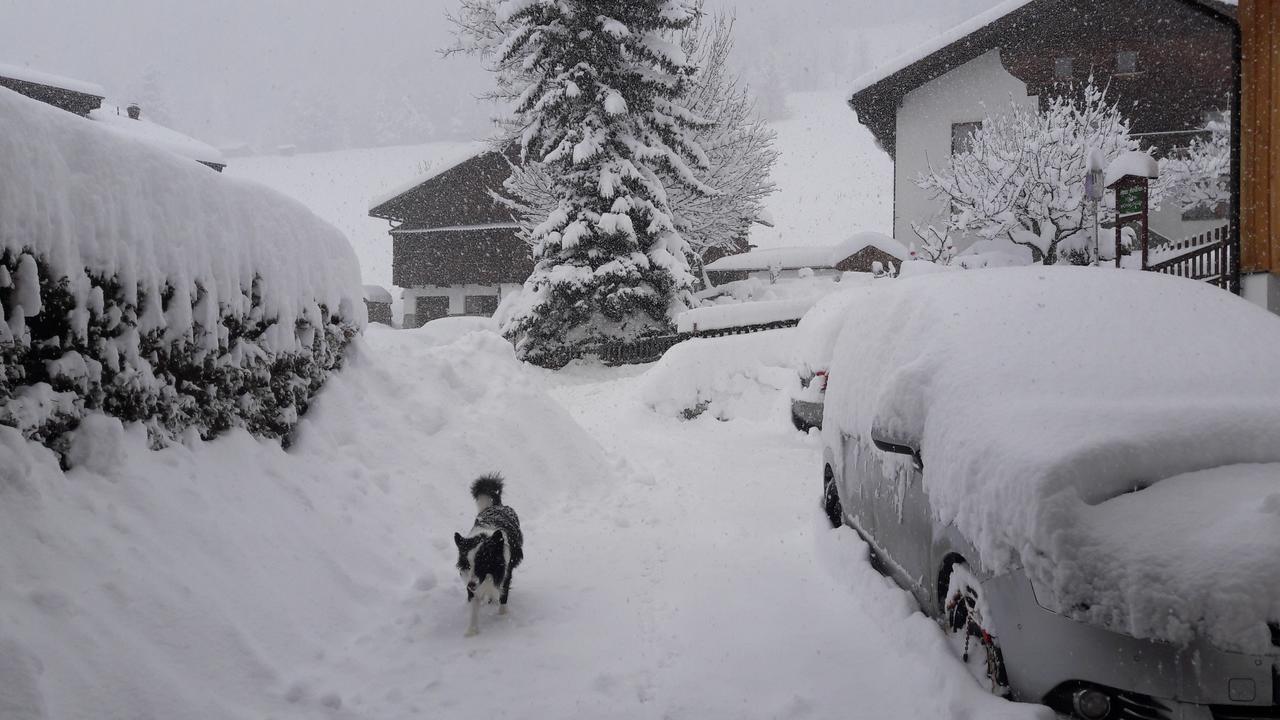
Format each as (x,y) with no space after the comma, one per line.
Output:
(147,286)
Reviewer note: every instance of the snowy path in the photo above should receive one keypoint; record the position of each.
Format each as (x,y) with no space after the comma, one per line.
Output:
(693,581)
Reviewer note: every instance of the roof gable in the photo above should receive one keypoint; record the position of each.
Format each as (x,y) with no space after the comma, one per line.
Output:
(877,94)
(457,195)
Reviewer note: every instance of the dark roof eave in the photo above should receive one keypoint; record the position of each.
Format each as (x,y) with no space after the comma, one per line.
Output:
(877,104)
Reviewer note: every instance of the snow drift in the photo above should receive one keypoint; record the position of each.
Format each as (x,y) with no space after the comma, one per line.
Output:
(228,579)
(136,282)
(1039,397)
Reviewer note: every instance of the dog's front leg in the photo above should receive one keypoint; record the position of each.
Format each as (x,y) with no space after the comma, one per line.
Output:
(474,627)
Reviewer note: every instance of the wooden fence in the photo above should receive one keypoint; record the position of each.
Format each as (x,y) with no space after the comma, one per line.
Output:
(651,349)
(1208,256)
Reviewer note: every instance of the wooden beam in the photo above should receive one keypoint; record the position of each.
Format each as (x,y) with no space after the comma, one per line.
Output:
(1260,136)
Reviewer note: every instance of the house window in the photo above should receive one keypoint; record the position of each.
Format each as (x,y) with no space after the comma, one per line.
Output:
(1063,68)
(484,305)
(1127,61)
(962,136)
(430,307)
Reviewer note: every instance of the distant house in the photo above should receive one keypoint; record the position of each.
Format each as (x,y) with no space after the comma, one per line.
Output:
(455,250)
(74,96)
(859,253)
(377,301)
(1172,65)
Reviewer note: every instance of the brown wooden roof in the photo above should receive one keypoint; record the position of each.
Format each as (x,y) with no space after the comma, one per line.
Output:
(458,196)
(1030,36)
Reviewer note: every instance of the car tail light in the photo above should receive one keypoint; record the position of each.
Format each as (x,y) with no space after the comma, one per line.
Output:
(821,376)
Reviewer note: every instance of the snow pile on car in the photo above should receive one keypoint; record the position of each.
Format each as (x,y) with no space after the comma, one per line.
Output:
(146,286)
(228,579)
(1039,397)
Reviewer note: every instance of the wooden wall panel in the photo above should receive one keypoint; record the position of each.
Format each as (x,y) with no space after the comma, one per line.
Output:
(1260,136)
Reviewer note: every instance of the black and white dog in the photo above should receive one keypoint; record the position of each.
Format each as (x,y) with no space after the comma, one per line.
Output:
(493,549)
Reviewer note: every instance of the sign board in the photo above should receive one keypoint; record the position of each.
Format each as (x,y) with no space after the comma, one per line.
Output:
(1131,199)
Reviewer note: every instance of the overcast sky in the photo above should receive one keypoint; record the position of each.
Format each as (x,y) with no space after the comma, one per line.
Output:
(345,73)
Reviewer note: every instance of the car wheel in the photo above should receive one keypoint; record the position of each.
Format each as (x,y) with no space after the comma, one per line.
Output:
(968,621)
(831,499)
(799,423)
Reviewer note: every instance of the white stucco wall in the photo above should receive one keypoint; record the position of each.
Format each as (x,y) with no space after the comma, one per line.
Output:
(457,294)
(966,94)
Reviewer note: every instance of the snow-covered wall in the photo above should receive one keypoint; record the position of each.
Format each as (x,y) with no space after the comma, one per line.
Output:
(968,93)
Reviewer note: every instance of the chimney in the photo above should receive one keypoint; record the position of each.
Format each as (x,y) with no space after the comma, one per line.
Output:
(135,112)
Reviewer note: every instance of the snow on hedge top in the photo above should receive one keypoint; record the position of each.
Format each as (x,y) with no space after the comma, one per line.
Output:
(82,197)
(939,42)
(1133,162)
(117,120)
(792,258)
(43,78)
(1038,395)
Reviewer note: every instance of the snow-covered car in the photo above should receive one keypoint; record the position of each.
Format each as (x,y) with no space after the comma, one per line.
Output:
(1077,471)
(816,339)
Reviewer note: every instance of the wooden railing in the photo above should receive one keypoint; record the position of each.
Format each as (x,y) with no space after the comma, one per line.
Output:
(651,349)
(1208,256)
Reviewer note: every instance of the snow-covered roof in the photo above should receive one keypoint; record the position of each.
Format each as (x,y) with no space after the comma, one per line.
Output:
(901,62)
(879,241)
(377,294)
(116,119)
(1037,406)
(1132,162)
(819,256)
(44,78)
(438,167)
(968,27)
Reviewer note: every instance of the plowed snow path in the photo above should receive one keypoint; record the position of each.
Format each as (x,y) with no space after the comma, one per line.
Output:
(695,581)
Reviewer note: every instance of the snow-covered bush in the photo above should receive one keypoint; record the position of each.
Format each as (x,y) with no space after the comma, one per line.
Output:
(145,286)
(1199,175)
(1022,175)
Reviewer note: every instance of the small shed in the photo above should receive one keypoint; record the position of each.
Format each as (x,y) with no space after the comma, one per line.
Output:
(455,249)
(74,96)
(377,301)
(858,253)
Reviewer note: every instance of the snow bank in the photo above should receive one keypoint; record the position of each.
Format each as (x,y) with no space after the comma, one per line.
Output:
(138,282)
(733,377)
(233,580)
(1039,395)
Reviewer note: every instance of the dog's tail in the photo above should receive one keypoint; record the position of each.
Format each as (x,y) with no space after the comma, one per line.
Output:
(487,490)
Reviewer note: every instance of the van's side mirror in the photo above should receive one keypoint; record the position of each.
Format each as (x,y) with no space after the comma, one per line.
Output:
(898,448)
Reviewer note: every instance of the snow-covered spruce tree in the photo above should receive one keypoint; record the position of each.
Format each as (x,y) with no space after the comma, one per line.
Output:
(1199,175)
(597,90)
(1022,175)
(737,143)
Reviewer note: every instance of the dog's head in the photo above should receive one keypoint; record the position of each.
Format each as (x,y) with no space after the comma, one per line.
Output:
(480,556)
